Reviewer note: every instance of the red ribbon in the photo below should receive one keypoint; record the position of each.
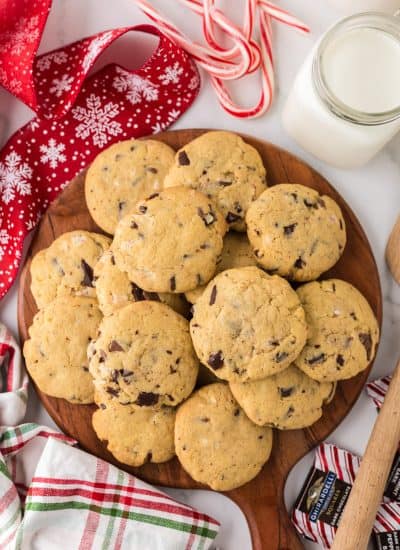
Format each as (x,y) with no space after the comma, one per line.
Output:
(77,116)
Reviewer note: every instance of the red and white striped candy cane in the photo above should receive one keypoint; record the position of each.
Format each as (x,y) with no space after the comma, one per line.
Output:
(243,57)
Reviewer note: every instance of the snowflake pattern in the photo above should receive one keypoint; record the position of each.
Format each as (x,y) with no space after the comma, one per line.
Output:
(40,160)
(52,153)
(34,124)
(59,58)
(96,121)
(135,86)
(14,177)
(26,30)
(95,47)
(61,85)
(15,86)
(171,74)
(161,126)
(194,82)
(32,223)
(4,238)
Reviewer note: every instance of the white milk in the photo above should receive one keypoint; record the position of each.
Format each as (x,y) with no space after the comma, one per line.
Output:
(339,109)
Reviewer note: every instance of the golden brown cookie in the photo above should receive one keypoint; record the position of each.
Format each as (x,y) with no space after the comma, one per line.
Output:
(56,352)
(288,400)
(170,242)
(215,441)
(223,167)
(248,325)
(135,436)
(123,174)
(295,232)
(144,356)
(65,268)
(343,331)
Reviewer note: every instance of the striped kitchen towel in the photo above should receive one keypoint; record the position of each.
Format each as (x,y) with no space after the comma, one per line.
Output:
(77,501)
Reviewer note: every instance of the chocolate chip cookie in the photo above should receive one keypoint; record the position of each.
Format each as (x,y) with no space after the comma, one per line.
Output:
(123,174)
(65,268)
(295,232)
(135,436)
(288,400)
(247,325)
(114,289)
(170,242)
(236,252)
(143,355)
(55,353)
(343,332)
(215,441)
(223,167)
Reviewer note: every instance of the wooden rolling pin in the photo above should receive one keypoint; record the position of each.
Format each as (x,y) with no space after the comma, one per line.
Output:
(393,251)
(359,514)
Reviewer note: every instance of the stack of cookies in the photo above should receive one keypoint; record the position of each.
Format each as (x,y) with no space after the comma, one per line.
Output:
(201,227)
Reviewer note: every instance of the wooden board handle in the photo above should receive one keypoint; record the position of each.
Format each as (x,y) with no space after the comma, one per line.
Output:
(269,523)
(359,514)
(393,251)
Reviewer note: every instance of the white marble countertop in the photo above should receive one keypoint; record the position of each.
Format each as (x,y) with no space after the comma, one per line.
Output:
(373,192)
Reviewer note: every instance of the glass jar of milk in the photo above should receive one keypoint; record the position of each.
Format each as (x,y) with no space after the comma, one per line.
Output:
(345,102)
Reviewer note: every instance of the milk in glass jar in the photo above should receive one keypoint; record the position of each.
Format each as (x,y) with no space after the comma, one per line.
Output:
(344,105)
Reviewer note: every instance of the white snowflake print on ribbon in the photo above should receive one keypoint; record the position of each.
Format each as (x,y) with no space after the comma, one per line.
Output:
(61,85)
(4,238)
(96,120)
(32,223)
(59,58)
(14,177)
(161,126)
(15,86)
(95,48)
(136,87)
(34,124)
(52,153)
(26,30)
(171,74)
(194,82)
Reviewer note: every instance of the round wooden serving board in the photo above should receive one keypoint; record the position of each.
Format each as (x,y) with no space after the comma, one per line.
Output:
(261,500)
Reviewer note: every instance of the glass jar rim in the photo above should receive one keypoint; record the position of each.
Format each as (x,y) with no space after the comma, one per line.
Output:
(377,20)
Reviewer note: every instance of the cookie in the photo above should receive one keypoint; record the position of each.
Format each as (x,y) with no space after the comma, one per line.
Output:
(135,436)
(247,325)
(122,175)
(144,356)
(223,167)
(289,400)
(114,289)
(56,352)
(215,441)
(343,332)
(295,232)
(65,268)
(171,242)
(236,252)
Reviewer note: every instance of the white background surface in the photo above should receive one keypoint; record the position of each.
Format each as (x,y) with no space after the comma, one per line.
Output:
(373,192)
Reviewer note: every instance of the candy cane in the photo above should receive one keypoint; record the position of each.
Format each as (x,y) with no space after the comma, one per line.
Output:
(206,57)
(243,57)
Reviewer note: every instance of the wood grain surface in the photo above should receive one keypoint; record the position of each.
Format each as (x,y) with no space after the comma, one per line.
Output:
(261,500)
